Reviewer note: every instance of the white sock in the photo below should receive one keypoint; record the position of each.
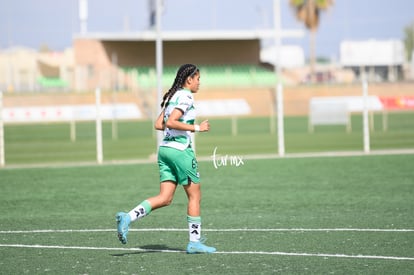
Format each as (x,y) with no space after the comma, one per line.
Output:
(194,228)
(142,210)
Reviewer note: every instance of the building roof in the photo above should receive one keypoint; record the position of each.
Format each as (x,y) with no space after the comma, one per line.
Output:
(151,35)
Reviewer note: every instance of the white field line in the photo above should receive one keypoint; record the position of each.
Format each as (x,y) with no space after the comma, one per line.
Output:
(407,151)
(209,230)
(218,252)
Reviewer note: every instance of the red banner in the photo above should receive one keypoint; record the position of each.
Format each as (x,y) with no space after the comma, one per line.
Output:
(397,102)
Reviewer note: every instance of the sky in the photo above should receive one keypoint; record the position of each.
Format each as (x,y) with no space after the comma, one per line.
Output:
(36,23)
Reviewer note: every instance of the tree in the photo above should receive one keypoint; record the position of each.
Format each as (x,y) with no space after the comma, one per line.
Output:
(308,12)
(409,41)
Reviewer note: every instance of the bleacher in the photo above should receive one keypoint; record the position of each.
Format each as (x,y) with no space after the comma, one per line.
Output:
(52,82)
(211,76)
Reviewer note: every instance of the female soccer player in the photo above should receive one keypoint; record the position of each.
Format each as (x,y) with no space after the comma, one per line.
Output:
(176,159)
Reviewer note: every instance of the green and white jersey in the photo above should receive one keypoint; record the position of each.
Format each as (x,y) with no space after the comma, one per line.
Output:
(183,100)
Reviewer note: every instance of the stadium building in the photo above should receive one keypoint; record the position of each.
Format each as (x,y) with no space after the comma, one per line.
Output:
(376,60)
(229,58)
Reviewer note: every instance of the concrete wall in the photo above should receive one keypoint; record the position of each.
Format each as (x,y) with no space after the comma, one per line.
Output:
(296,99)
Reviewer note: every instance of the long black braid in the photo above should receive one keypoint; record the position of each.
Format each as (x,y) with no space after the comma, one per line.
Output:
(183,73)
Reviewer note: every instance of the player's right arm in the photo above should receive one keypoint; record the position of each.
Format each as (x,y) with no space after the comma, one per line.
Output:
(159,123)
(174,122)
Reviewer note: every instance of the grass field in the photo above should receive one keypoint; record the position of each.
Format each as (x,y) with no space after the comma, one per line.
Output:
(332,215)
(51,143)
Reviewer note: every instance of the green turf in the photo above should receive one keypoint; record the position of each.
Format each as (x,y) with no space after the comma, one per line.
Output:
(51,143)
(366,192)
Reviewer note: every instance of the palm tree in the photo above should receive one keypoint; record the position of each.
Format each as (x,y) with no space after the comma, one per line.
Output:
(308,12)
(409,41)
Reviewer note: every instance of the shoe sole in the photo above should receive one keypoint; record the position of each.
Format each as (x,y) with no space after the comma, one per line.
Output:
(200,252)
(120,235)
(121,239)
(197,252)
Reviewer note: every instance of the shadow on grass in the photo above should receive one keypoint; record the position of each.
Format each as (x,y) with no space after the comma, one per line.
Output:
(156,248)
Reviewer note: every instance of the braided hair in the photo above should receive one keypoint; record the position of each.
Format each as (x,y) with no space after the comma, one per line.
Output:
(183,73)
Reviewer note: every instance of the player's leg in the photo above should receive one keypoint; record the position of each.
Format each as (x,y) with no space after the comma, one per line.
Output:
(196,244)
(164,198)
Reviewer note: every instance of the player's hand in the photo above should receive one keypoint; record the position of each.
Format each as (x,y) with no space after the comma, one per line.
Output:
(204,126)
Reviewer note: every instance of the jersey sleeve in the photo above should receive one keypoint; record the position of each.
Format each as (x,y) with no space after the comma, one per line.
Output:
(185,101)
